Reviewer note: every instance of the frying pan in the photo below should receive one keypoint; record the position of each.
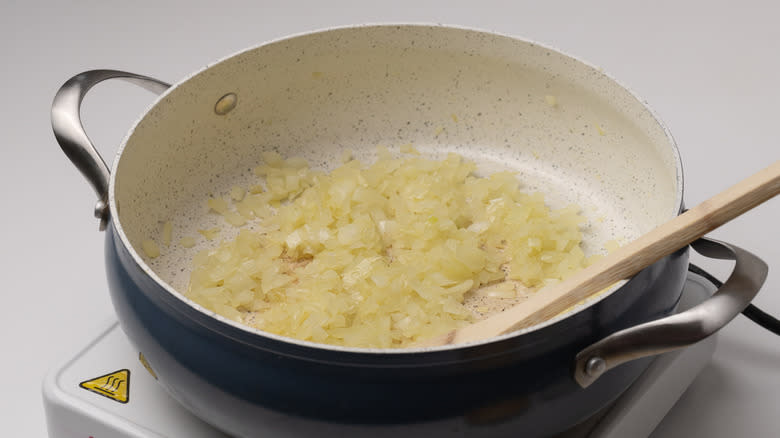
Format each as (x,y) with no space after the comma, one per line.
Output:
(566,128)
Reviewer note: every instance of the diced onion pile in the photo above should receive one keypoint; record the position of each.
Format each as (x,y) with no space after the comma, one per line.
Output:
(378,255)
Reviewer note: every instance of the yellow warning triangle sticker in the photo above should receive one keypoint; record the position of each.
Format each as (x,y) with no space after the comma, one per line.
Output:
(115,386)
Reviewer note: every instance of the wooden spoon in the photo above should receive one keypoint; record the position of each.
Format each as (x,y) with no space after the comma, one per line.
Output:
(625,261)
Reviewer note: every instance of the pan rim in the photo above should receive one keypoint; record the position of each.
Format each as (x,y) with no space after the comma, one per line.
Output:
(183,300)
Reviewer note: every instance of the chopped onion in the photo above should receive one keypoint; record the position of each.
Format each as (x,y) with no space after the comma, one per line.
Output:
(150,248)
(379,255)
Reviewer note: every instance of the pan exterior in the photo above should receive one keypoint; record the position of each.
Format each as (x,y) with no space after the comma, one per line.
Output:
(240,383)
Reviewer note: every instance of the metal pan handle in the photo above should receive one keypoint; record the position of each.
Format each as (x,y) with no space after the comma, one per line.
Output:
(682,329)
(70,134)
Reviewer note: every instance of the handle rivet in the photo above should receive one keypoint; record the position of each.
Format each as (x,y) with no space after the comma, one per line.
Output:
(100,209)
(595,366)
(225,104)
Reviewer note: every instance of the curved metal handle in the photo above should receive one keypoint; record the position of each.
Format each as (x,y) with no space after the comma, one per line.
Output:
(683,329)
(70,134)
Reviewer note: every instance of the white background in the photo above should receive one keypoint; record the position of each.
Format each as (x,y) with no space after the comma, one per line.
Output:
(709,68)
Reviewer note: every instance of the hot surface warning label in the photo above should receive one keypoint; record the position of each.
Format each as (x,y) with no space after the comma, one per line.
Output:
(115,386)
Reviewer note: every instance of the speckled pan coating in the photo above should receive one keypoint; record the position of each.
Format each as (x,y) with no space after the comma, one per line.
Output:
(568,129)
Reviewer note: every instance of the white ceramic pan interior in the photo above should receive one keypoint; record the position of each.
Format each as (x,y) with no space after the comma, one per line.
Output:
(565,127)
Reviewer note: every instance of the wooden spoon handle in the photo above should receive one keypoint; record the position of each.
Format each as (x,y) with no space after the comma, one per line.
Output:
(626,261)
